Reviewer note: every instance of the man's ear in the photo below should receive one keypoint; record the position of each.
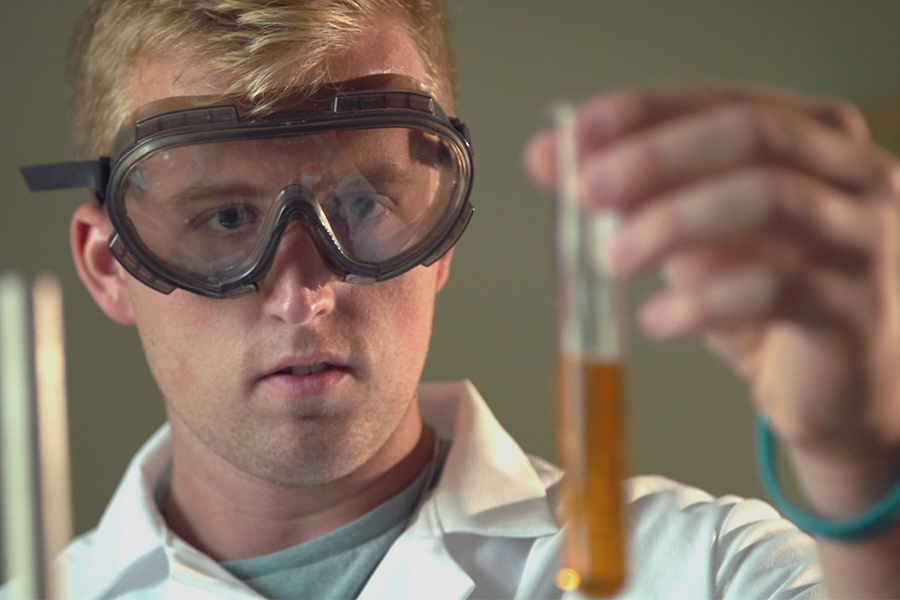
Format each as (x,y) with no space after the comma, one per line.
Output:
(443,265)
(99,270)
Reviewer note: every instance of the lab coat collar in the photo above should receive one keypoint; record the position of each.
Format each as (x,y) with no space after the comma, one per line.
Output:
(489,486)
(133,513)
(419,565)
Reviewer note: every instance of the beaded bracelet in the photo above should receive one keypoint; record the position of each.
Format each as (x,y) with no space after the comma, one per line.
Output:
(878,519)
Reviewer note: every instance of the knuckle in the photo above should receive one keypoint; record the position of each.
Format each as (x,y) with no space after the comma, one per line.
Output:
(885,179)
(766,133)
(628,95)
(633,104)
(845,117)
(743,294)
(780,193)
(619,109)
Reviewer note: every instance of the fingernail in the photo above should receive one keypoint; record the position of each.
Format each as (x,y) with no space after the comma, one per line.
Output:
(664,318)
(599,119)
(654,317)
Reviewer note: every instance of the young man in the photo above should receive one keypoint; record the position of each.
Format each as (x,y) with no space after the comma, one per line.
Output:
(275,221)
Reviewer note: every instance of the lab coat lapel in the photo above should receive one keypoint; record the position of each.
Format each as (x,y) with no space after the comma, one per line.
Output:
(419,565)
(489,486)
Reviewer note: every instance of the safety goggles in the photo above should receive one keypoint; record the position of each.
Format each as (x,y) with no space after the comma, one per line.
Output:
(200,193)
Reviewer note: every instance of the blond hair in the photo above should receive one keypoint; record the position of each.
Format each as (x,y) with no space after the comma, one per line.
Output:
(263,47)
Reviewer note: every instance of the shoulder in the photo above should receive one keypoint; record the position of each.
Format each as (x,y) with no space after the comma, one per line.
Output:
(736,543)
(659,505)
(652,493)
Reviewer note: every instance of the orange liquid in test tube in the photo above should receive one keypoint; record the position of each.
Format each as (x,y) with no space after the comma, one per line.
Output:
(591,386)
(594,556)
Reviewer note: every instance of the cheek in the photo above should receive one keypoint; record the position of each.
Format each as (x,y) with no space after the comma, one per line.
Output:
(407,310)
(180,339)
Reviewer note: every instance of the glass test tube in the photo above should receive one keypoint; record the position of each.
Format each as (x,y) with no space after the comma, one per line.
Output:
(592,331)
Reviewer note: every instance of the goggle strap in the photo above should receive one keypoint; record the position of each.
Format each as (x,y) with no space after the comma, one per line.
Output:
(67,175)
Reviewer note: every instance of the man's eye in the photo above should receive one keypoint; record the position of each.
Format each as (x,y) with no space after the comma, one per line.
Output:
(361,207)
(229,218)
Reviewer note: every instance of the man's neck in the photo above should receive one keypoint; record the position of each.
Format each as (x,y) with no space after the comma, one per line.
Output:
(230,514)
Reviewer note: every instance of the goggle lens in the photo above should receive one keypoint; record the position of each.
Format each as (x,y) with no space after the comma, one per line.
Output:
(209,209)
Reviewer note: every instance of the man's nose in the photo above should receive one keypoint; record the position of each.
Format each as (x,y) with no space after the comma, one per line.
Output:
(299,285)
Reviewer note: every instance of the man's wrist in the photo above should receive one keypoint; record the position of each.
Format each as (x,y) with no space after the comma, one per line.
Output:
(848,499)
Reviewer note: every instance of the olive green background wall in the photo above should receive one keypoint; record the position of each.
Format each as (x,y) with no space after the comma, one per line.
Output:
(690,418)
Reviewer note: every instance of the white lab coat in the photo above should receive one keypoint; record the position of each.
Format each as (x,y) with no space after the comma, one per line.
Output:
(489,530)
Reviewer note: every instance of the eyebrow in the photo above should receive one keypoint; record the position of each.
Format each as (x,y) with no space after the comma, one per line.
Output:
(196,193)
(386,173)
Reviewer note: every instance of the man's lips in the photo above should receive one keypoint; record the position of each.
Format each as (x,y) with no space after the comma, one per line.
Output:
(305,378)
(304,370)
(302,366)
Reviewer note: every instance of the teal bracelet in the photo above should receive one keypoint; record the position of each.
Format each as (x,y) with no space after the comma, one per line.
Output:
(879,519)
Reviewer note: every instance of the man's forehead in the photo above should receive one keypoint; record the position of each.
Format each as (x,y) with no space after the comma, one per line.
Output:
(385,46)
(156,77)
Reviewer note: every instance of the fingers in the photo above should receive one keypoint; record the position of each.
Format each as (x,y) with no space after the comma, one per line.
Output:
(769,205)
(610,117)
(740,298)
(628,110)
(729,299)
(694,265)
(739,252)
(634,170)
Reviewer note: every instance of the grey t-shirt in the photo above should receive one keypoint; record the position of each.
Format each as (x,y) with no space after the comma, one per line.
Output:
(338,564)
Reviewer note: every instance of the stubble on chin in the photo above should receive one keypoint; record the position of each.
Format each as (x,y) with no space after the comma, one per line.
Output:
(318,444)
